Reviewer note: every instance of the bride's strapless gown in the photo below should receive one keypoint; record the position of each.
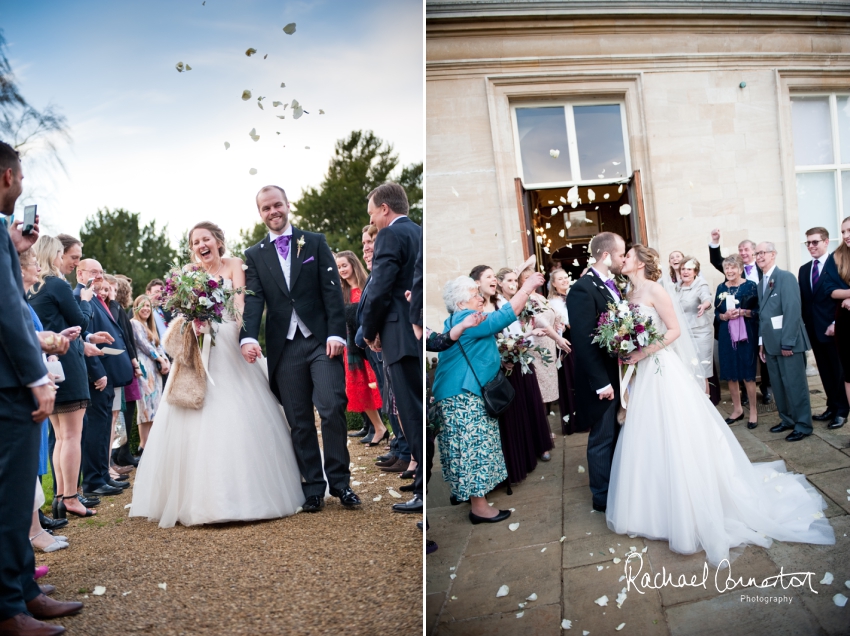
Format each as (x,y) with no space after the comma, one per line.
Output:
(231,460)
(680,475)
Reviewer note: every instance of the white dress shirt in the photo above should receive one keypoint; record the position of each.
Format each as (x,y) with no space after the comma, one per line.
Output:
(295,323)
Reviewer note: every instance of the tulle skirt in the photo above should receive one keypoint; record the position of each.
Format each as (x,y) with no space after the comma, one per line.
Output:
(679,474)
(231,460)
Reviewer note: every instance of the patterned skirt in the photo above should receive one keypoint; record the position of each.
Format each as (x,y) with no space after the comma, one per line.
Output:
(470,447)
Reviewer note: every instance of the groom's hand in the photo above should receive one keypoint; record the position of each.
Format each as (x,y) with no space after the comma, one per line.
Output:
(251,352)
(607,394)
(334,348)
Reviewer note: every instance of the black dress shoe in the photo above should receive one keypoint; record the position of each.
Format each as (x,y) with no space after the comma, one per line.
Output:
(386,463)
(406,488)
(752,425)
(796,436)
(121,479)
(825,416)
(599,508)
(779,428)
(838,422)
(50,524)
(314,503)
(346,497)
(475,519)
(122,485)
(730,420)
(361,433)
(419,524)
(89,502)
(384,458)
(124,459)
(104,491)
(767,397)
(412,506)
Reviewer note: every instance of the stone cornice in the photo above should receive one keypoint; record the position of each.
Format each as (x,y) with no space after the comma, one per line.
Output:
(443,10)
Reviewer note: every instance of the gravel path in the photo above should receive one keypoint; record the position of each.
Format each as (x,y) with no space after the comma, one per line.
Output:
(358,572)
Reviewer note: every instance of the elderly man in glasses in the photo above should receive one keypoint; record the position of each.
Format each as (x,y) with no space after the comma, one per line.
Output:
(819,317)
(783,344)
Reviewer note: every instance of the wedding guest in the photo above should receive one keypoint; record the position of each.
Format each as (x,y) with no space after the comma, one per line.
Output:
(836,282)
(507,280)
(752,272)
(819,310)
(122,458)
(53,301)
(161,316)
(559,287)
(385,317)
(361,385)
(783,344)
(470,441)
(697,302)
(675,261)
(72,252)
(487,283)
(24,384)
(737,336)
(105,375)
(154,364)
(368,240)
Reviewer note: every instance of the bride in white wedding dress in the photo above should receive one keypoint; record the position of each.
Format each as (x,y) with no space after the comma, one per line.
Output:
(679,474)
(231,460)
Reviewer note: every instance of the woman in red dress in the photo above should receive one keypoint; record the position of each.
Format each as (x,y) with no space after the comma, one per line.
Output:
(361,386)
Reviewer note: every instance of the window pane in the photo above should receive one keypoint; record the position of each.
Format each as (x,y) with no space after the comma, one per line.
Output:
(844,127)
(817,205)
(599,133)
(541,130)
(845,193)
(812,133)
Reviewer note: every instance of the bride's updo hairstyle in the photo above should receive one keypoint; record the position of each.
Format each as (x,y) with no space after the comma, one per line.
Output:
(212,228)
(651,259)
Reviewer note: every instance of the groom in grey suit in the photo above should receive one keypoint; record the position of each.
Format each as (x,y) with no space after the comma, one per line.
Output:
(783,344)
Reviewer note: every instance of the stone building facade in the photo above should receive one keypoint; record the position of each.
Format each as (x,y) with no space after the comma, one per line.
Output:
(696,115)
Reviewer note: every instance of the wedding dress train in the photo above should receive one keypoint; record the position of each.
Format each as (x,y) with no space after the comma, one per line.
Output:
(679,473)
(231,460)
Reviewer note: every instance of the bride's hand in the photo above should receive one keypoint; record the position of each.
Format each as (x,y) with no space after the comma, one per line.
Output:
(635,357)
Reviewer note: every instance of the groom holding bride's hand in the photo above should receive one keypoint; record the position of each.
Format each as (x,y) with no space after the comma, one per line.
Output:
(293,274)
(597,389)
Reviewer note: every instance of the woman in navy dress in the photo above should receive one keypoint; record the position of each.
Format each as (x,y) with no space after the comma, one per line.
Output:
(737,336)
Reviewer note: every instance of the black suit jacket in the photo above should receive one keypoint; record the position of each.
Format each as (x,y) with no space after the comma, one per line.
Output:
(385,309)
(118,369)
(716,259)
(587,300)
(818,305)
(416,291)
(20,351)
(313,291)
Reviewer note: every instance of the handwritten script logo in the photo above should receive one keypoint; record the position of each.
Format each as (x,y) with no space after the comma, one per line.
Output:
(652,582)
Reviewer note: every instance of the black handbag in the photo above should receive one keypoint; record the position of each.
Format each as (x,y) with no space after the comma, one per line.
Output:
(497,393)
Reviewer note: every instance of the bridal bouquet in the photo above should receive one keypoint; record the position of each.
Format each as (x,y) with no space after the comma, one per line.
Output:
(517,350)
(200,298)
(622,329)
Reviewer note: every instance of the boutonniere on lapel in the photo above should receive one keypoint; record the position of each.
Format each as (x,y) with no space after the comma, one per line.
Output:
(300,244)
(770,284)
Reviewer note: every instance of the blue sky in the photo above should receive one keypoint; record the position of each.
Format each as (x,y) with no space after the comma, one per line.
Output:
(151,140)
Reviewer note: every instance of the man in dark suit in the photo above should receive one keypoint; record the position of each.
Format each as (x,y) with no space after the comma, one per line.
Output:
(752,272)
(783,344)
(597,387)
(26,399)
(819,317)
(293,275)
(386,317)
(106,373)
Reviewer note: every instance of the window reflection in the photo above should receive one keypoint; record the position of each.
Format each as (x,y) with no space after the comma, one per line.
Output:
(812,131)
(541,130)
(599,133)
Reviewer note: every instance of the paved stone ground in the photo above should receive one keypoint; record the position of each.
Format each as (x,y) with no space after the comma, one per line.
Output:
(554,502)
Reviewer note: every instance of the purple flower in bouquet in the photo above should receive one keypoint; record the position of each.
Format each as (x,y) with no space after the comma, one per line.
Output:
(212,283)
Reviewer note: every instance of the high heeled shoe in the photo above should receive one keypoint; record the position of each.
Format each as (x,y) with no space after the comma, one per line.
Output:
(62,511)
(53,547)
(385,436)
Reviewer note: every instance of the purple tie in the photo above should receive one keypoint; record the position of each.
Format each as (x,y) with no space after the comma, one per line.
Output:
(610,285)
(282,245)
(815,273)
(748,269)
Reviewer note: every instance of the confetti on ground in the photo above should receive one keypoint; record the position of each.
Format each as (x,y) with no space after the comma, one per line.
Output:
(99,590)
(452,576)
(520,614)
(563,539)
(513,527)
(394,494)
(611,550)
(827,579)
(599,568)
(839,599)
(503,591)
(620,626)
(566,624)
(581,469)
(602,601)
(162,586)
(531,597)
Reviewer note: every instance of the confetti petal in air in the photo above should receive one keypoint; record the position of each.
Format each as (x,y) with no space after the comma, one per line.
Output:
(226,145)
(620,189)
(282,85)
(188,68)
(321,112)
(625,209)
(246,95)
(581,469)
(252,171)
(289,29)
(260,104)
(554,153)
(591,195)
(276,104)
(179,67)
(253,134)
(250,52)
(281,116)
(308,148)
(265,56)
(606,195)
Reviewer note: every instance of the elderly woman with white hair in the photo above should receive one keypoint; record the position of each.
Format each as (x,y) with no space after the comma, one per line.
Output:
(470,444)
(698,306)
